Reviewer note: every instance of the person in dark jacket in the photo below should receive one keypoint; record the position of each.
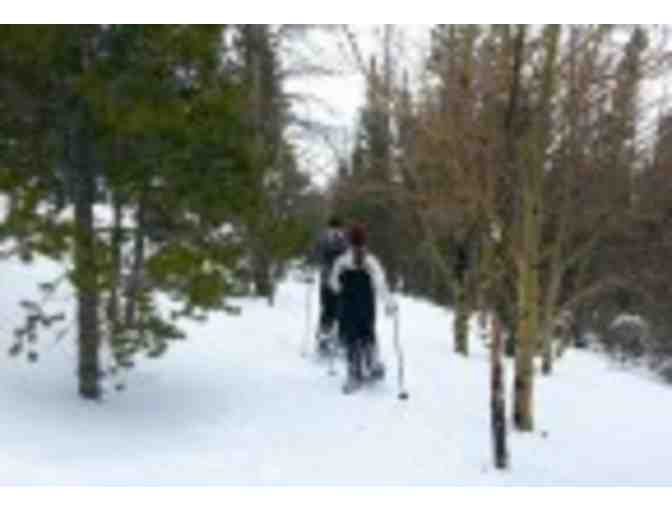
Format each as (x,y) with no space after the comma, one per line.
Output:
(360,281)
(331,244)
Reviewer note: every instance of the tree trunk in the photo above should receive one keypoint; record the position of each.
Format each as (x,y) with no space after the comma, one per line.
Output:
(80,157)
(547,352)
(461,317)
(522,415)
(525,348)
(266,150)
(528,327)
(550,307)
(498,397)
(116,241)
(135,282)
(532,165)
(86,274)
(461,289)
(113,306)
(262,275)
(510,343)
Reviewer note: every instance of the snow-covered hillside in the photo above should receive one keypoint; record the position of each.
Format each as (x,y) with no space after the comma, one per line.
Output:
(237,404)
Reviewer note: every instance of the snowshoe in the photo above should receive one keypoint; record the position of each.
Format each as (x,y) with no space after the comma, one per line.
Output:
(377,371)
(354,379)
(329,345)
(324,347)
(373,367)
(324,343)
(351,385)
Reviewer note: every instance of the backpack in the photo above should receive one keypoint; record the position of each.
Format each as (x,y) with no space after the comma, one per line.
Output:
(331,247)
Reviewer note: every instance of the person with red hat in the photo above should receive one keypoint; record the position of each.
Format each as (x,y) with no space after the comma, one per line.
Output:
(359,280)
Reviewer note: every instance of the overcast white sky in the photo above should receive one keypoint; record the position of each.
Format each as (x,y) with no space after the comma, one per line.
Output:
(333,101)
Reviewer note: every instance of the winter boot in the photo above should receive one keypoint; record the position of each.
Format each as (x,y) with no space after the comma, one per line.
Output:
(354,379)
(325,341)
(374,367)
(351,385)
(377,371)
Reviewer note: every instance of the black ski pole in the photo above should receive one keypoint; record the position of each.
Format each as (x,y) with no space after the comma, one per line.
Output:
(306,339)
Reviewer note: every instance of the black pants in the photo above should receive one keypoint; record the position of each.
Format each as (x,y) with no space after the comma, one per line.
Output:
(358,320)
(359,354)
(329,308)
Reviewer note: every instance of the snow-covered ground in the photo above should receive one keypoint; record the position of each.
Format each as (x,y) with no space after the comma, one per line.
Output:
(238,405)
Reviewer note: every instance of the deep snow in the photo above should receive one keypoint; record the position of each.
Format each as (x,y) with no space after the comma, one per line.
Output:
(237,405)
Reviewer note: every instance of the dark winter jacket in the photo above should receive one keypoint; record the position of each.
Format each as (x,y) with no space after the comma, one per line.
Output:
(331,245)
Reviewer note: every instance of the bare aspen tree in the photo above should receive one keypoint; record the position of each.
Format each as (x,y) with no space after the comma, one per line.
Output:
(498,396)
(534,129)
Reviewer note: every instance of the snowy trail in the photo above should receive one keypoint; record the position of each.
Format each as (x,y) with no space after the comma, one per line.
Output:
(236,404)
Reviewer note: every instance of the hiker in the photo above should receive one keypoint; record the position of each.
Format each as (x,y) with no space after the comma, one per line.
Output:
(359,280)
(331,244)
